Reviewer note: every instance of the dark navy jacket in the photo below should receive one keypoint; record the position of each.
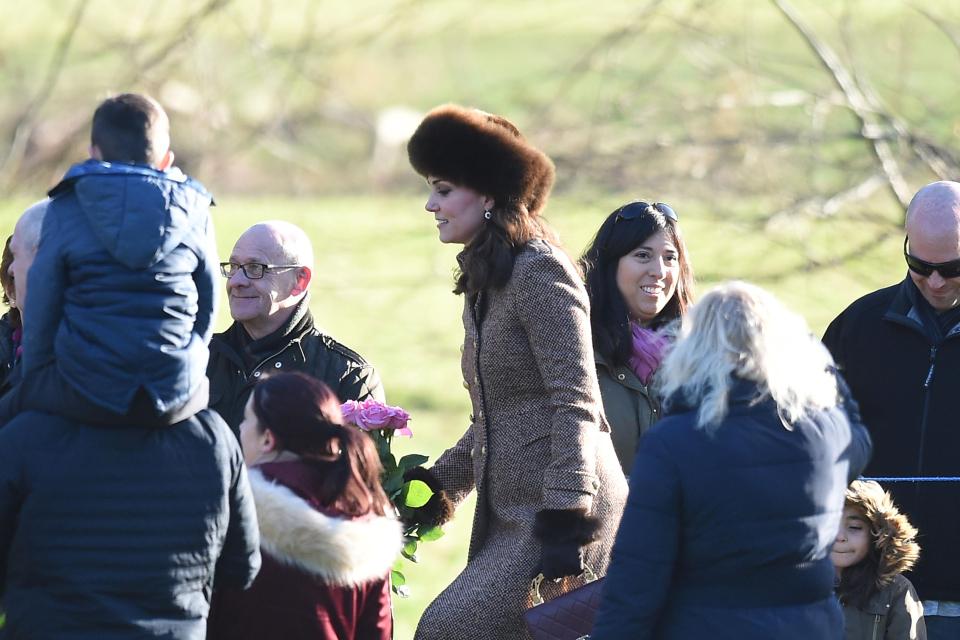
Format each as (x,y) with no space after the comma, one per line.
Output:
(122,293)
(118,533)
(728,535)
(907,382)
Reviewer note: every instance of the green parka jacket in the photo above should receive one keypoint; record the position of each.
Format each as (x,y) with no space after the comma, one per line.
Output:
(630,406)
(893,613)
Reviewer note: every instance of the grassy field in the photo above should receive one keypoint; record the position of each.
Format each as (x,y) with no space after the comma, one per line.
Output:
(383,282)
(673,101)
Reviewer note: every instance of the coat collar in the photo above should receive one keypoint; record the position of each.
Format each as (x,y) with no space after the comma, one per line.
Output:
(629,379)
(341,551)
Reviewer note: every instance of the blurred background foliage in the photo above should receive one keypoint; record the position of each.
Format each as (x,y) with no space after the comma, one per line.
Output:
(788,134)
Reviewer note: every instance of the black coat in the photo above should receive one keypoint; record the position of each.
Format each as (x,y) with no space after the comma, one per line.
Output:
(727,535)
(907,382)
(117,533)
(237,362)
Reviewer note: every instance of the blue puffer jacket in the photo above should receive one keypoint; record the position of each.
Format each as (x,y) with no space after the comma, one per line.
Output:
(119,533)
(123,289)
(727,536)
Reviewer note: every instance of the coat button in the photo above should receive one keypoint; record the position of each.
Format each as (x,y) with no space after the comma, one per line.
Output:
(620,376)
(256,374)
(277,365)
(480,414)
(466,385)
(483,450)
(595,484)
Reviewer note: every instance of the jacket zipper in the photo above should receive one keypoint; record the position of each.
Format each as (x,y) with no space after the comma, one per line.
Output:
(927,382)
(926,407)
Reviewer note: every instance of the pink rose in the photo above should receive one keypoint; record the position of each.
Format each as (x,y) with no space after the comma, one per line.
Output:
(349,410)
(371,415)
(398,421)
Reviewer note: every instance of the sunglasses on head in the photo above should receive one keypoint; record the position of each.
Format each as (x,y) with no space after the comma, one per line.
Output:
(949,269)
(637,209)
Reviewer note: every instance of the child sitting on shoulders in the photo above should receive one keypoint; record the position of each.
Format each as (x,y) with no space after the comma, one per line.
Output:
(122,291)
(874,547)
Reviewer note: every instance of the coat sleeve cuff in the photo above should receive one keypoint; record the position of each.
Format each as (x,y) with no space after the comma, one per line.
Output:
(566,490)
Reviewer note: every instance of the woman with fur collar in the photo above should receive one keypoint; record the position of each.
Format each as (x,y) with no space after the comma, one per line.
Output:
(874,547)
(550,490)
(327,537)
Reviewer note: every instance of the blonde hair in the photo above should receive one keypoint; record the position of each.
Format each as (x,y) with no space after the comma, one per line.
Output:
(740,330)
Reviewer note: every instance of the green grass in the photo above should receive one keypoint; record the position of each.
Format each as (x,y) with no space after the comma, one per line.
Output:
(383,281)
(641,117)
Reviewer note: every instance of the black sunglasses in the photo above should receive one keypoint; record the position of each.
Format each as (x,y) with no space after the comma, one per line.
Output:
(636,209)
(949,269)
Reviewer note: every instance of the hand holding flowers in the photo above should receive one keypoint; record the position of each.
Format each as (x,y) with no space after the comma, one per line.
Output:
(382,422)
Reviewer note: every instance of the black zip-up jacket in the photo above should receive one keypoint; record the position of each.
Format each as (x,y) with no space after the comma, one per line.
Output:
(237,362)
(906,379)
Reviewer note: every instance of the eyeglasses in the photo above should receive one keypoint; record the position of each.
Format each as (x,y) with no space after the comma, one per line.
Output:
(253,270)
(948,269)
(638,208)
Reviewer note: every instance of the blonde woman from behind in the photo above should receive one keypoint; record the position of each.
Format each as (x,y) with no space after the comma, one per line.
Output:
(736,493)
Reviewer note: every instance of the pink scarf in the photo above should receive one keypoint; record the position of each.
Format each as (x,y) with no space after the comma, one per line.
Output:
(648,349)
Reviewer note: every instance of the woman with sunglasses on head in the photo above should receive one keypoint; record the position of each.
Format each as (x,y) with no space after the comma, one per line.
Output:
(328,537)
(639,279)
(538,451)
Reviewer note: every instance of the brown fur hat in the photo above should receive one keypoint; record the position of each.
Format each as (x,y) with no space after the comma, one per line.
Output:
(482,151)
(893,536)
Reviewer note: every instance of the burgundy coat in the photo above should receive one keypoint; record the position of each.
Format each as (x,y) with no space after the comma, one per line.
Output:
(324,576)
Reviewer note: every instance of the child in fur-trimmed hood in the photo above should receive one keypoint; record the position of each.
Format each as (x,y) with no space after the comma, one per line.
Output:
(874,547)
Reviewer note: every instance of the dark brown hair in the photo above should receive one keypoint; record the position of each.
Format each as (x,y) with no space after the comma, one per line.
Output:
(6,282)
(304,415)
(131,128)
(487,262)
(609,319)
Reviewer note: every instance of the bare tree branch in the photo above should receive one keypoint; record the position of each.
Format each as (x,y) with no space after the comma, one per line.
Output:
(25,123)
(871,129)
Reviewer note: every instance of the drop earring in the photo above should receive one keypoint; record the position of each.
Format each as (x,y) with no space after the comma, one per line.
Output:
(487,214)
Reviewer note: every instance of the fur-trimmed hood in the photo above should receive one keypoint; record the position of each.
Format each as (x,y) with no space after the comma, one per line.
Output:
(485,152)
(341,551)
(894,536)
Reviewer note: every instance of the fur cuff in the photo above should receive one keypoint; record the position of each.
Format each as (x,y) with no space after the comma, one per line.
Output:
(557,526)
(439,509)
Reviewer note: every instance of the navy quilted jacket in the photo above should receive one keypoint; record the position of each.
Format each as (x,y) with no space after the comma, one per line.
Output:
(728,535)
(123,289)
(118,533)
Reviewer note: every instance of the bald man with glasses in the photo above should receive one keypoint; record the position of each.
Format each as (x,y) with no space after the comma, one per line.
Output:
(268,275)
(899,349)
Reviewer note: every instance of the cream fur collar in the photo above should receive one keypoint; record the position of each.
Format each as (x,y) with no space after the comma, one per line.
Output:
(341,551)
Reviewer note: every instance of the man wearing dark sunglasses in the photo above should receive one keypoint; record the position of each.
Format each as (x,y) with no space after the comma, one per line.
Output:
(899,349)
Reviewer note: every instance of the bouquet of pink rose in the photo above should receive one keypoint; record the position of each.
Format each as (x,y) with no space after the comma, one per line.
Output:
(382,422)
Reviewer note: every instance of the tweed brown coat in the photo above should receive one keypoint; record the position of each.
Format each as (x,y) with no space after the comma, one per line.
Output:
(537,440)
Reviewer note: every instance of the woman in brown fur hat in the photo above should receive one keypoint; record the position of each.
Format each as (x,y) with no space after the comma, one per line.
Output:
(550,491)
(874,546)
